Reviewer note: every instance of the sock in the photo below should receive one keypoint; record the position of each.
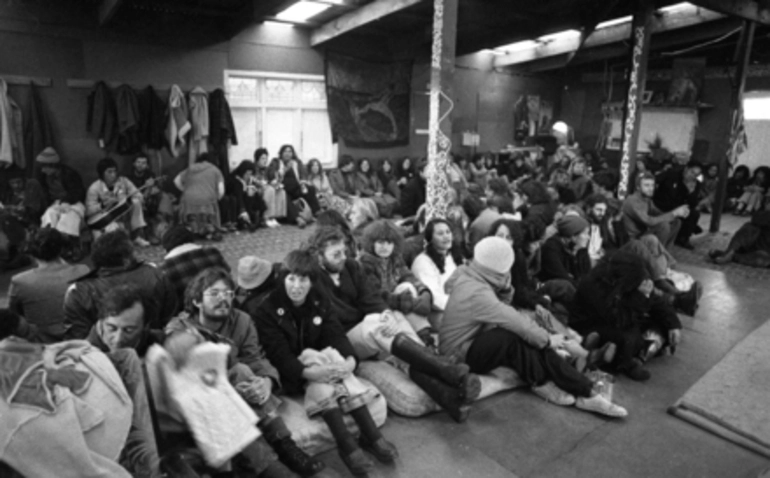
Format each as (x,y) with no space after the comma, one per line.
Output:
(273,428)
(366,423)
(336,423)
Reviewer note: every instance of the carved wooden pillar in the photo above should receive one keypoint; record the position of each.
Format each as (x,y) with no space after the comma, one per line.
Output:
(440,123)
(742,55)
(641,31)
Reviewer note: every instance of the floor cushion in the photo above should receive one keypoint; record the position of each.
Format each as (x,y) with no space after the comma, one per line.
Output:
(406,398)
(312,434)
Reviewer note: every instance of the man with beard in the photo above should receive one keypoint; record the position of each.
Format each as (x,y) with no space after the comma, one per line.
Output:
(641,216)
(376,331)
(607,233)
(680,187)
(210,316)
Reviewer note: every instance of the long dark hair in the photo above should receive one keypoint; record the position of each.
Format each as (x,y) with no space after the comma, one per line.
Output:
(293,152)
(245,166)
(431,251)
(766,181)
(402,172)
(310,168)
(742,168)
(361,163)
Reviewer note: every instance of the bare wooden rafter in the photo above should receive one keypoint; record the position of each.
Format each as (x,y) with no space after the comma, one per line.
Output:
(367,14)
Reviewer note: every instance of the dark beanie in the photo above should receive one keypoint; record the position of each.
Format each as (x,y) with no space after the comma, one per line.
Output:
(177,236)
(571,225)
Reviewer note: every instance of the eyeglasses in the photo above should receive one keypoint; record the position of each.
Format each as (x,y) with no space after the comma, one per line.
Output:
(221,294)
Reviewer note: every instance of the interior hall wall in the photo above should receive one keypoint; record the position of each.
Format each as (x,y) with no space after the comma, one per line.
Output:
(712,134)
(60,40)
(483,102)
(58,45)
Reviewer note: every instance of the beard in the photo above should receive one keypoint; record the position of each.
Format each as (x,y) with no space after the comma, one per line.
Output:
(219,313)
(333,268)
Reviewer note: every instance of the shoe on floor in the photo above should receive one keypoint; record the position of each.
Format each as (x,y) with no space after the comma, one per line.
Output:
(591,341)
(301,223)
(296,459)
(636,371)
(601,355)
(272,223)
(601,405)
(141,242)
(382,449)
(553,394)
(357,462)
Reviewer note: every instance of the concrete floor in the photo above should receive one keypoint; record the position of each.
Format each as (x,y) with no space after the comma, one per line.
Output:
(517,434)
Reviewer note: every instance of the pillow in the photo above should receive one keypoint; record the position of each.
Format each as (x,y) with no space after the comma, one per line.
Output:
(406,398)
(312,434)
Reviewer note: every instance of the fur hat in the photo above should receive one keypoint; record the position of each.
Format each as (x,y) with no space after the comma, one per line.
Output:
(48,156)
(253,272)
(571,225)
(494,253)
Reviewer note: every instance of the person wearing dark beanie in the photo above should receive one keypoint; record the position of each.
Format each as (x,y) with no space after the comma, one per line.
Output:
(185,259)
(565,255)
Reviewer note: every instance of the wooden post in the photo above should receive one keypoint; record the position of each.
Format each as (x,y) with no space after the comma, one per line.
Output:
(641,32)
(736,121)
(440,124)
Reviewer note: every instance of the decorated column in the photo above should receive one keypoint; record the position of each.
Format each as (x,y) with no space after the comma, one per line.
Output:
(641,31)
(440,123)
(737,141)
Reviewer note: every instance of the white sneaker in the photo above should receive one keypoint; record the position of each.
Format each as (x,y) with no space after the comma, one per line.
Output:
(601,405)
(141,242)
(272,223)
(551,393)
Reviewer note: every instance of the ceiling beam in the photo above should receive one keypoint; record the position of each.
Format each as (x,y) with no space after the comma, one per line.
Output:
(663,21)
(368,13)
(107,10)
(755,10)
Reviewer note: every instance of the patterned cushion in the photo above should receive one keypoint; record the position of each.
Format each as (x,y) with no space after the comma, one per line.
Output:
(406,398)
(312,434)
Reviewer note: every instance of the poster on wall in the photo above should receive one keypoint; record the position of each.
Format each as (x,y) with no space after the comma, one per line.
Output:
(368,102)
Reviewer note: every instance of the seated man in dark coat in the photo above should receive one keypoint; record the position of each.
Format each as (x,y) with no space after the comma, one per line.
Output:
(565,254)
(750,244)
(115,264)
(680,187)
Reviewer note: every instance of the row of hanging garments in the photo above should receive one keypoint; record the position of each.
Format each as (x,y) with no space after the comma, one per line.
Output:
(127,122)
(23,133)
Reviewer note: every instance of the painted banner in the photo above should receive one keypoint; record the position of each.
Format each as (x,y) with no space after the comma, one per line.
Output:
(368,102)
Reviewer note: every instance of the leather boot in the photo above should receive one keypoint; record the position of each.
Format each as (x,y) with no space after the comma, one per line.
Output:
(423,360)
(449,398)
(297,460)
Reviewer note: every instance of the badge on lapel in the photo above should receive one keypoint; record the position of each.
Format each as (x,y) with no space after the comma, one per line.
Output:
(317,320)
(280,312)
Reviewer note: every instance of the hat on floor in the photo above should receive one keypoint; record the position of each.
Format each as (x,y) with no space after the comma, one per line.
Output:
(253,272)
(177,236)
(48,156)
(571,225)
(494,253)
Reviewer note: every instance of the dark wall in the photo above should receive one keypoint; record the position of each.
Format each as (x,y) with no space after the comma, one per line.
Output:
(61,40)
(581,105)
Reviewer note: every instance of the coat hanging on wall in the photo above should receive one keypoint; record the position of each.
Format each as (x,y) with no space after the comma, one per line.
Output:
(199,119)
(221,128)
(178,125)
(102,118)
(37,127)
(11,129)
(129,118)
(152,110)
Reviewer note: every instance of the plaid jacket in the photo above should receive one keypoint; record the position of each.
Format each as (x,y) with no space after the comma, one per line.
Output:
(182,268)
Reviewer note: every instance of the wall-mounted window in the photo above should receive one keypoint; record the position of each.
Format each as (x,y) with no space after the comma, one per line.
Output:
(756,106)
(273,109)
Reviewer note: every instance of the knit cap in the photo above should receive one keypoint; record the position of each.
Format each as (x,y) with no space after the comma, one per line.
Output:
(494,253)
(571,225)
(48,156)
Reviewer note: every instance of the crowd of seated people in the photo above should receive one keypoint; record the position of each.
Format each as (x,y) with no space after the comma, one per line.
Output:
(519,274)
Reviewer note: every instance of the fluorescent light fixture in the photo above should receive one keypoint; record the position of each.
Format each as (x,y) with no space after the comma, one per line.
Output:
(677,7)
(302,11)
(493,52)
(615,21)
(558,36)
(274,24)
(519,45)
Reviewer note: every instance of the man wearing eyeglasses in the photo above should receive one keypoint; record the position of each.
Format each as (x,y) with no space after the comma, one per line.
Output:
(209,315)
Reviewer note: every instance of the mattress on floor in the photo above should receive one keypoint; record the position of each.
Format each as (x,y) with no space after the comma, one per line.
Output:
(733,399)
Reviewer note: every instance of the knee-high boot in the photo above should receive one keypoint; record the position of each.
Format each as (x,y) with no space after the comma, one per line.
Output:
(448,398)
(423,360)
